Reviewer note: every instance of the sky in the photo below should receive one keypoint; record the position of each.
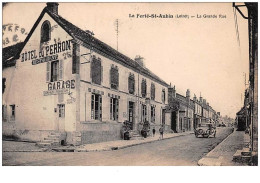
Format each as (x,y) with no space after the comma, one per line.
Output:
(200,54)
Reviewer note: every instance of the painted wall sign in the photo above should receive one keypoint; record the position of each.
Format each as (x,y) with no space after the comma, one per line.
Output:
(47,50)
(69,84)
(45,59)
(55,92)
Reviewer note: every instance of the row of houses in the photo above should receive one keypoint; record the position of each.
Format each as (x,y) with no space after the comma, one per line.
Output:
(63,79)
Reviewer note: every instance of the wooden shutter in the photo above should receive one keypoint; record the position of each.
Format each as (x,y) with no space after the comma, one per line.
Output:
(61,70)
(100,107)
(111,108)
(117,108)
(92,105)
(101,74)
(48,71)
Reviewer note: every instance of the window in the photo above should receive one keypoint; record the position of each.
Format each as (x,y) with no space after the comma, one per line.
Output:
(163,95)
(96,71)
(54,71)
(152,91)
(144,113)
(3,84)
(152,114)
(143,88)
(4,112)
(45,31)
(131,83)
(12,109)
(114,106)
(96,106)
(114,77)
(61,110)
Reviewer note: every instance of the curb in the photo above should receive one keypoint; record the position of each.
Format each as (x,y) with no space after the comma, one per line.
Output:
(207,156)
(113,148)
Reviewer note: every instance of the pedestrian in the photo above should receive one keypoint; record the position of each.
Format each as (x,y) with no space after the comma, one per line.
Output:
(153,131)
(161,133)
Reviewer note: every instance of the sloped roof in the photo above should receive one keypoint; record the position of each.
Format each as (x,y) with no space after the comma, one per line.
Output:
(8,57)
(97,45)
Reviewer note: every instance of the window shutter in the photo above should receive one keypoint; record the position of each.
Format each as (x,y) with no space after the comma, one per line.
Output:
(92,105)
(101,73)
(100,108)
(61,70)
(117,108)
(111,108)
(48,71)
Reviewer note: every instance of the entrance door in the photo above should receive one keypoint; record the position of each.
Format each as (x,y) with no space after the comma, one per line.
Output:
(131,114)
(173,122)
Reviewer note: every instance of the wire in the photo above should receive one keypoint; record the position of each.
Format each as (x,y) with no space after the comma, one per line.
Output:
(236,27)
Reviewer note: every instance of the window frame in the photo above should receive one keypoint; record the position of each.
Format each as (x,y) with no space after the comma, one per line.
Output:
(93,65)
(61,110)
(96,103)
(114,108)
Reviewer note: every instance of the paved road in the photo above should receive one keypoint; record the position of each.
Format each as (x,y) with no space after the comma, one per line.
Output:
(184,150)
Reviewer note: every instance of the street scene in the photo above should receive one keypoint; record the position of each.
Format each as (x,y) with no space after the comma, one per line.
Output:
(130,84)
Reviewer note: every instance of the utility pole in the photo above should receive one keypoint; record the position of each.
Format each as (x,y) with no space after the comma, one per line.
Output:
(117,32)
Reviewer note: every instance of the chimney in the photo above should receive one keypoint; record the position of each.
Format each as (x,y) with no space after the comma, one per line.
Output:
(195,98)
(188,96)
(140,60)
(171,93)
(53,7)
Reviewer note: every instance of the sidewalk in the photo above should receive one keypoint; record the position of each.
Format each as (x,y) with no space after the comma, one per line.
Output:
(16,146)
(222,154)
(118,144)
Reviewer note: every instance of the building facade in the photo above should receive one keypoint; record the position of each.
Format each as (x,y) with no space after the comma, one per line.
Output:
(66,80)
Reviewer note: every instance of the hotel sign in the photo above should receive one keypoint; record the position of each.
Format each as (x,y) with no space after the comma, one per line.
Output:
(47,53)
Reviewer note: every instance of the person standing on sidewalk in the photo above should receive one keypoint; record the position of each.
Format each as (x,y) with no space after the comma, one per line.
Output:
(161,133)
(153,131)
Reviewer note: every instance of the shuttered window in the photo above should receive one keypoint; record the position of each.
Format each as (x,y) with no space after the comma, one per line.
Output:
(144,113)
(114,77)
(143,88)
(131,83)
(54,71)
(114,107)
(96,71)
(152,91)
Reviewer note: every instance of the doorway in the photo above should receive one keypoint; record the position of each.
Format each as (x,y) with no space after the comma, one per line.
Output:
(131,114)
(173,122)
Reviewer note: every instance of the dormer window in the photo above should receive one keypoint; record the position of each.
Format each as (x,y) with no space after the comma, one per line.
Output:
(45,31)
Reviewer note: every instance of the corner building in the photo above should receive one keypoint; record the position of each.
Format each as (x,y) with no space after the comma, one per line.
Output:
(66,80)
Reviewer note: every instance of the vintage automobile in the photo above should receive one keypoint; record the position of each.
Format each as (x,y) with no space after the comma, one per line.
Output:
(205,130)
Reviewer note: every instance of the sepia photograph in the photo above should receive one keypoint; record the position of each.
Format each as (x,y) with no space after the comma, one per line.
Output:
(130,84)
